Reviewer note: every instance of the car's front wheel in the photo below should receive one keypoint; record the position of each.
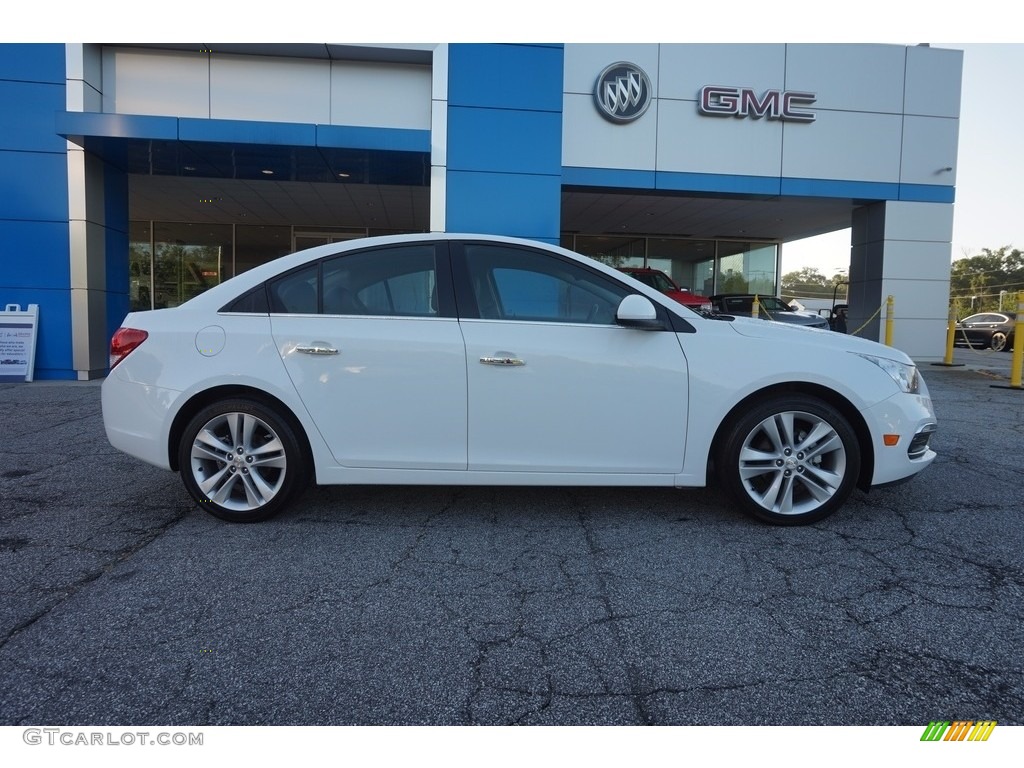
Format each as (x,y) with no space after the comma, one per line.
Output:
(791,460)
(240,460)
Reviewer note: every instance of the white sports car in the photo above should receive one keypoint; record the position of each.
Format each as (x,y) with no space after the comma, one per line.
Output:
(469,359)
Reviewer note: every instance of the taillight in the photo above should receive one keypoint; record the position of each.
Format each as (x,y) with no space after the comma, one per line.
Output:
(124,342)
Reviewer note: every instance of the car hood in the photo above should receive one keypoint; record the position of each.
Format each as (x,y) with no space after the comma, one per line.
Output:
(821,337)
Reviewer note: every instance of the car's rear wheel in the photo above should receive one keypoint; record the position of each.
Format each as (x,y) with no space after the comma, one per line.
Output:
(240,460)
(791,460)
(998,341)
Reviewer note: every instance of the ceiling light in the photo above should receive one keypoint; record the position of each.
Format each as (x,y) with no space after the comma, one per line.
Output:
(267,172)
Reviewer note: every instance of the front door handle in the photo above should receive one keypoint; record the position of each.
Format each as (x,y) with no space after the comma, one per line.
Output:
(317,348)
(509,361)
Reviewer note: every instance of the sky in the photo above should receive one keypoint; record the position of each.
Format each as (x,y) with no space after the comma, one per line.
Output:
(989,208)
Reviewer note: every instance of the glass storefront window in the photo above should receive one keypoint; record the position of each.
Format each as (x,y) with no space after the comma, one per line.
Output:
(704,277)
(140,266)
(611,250)
(188,259)
(747,267)
(679,258)
(257,244)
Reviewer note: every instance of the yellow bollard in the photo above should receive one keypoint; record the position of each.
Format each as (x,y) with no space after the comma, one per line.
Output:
(755,309)
(888,321)
(950,338)
(1018,344)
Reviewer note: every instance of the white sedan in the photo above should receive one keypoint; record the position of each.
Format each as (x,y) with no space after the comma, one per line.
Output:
(479,360)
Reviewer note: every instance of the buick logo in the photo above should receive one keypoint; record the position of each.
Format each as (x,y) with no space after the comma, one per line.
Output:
(623,92)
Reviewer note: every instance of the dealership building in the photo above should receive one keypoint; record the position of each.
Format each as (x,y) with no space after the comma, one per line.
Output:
(136,176)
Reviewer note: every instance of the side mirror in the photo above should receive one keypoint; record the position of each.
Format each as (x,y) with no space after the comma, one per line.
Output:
(637,311)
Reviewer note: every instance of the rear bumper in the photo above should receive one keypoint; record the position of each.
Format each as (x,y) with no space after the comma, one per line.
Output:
(136,418)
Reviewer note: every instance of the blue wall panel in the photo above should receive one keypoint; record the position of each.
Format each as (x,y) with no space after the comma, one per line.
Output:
(927,193)
(33,62)
(608,177)
(34,130)
(34,254)
(247,132)
(355,137)
(518,205)
(856,190)
(505,76)
(34,244)
(34,186)
(504,140)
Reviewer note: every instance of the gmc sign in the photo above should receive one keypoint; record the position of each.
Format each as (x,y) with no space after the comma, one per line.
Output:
(717,100)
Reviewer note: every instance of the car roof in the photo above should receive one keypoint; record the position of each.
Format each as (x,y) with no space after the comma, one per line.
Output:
(218,294)
(1011,315)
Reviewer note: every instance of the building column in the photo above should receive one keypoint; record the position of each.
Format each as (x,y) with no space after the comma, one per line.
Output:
(903,250)
(98,229)
(503,171)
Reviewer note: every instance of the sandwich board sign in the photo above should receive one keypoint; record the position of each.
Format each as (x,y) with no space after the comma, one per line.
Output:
(18,342)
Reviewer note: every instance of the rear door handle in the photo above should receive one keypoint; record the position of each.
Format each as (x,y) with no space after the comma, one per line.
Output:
(509,361)
(317,348)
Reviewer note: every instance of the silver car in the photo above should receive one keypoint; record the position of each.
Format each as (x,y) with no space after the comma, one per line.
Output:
(769,308)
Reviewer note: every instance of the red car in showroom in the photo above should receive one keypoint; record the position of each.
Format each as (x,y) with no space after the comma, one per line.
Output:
(658,280)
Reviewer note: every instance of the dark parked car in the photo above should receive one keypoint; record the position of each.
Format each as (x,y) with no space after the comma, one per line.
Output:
(769,308)
(986,330)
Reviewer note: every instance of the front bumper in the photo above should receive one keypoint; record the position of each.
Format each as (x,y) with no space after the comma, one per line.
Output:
(912,418)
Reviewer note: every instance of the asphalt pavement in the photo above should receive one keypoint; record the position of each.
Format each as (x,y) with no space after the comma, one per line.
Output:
(124,604)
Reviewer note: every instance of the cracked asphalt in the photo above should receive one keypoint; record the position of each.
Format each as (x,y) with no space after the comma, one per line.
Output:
(124,604)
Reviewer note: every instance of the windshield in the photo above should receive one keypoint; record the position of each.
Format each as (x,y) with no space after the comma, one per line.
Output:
(773,304)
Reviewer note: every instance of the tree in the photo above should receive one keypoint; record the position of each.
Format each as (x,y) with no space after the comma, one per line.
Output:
(809,283)
(976,282)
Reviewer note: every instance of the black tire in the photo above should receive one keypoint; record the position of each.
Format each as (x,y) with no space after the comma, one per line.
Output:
(998,341)
(241,461)
(791,460)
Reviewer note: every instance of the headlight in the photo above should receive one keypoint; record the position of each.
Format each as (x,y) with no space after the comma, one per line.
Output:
(904,375)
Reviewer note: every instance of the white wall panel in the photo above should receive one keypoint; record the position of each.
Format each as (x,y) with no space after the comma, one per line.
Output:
(357,88)
(865,78)
(853,146)
(692,143)
(272,89)
(148,82)
(917,260)
(929,147)
(933,81)
(590,141)
(685,69)
(583,62)
(932,222)
(84,69)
